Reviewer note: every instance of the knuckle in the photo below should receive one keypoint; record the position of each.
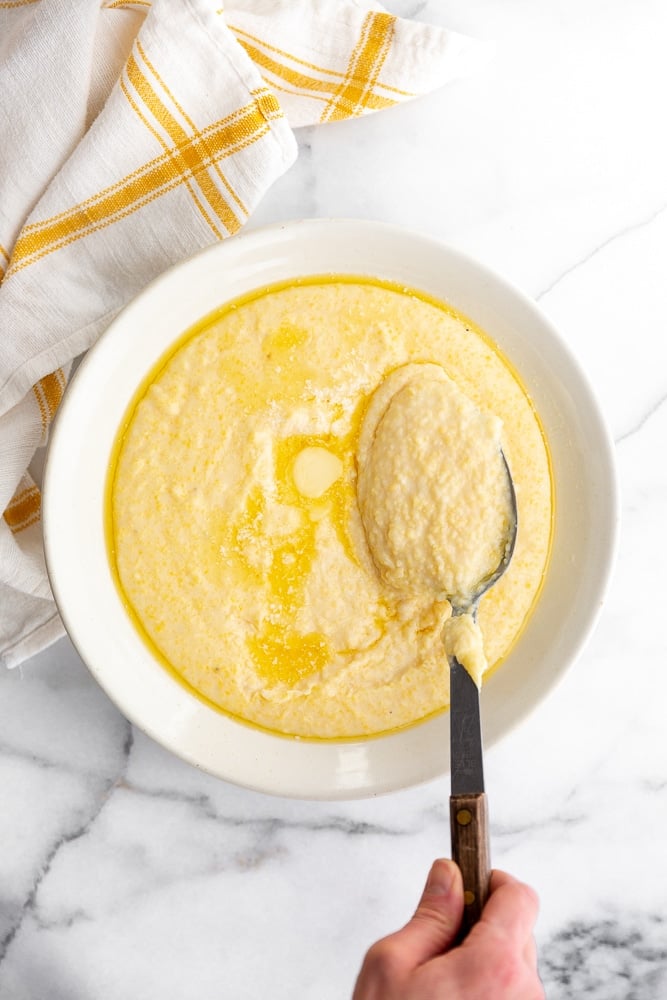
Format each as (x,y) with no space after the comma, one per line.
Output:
(531,898)
(534,900)
(513,980)
(509,972)
(504,972)
(382,959)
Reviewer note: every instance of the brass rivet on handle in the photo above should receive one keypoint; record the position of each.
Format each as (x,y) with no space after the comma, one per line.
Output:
(463,817)
(468,897)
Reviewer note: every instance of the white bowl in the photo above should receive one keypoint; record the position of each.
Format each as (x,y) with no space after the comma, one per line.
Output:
(87,423)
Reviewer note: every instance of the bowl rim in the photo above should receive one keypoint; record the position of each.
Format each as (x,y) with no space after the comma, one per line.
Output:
(249,756)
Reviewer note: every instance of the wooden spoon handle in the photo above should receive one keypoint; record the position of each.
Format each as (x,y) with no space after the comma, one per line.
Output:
(469,822)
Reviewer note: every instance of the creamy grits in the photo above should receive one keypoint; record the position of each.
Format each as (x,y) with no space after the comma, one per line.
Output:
(236,528)
(462,638)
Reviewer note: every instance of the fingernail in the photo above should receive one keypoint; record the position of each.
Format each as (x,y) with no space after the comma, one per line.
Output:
(441,878)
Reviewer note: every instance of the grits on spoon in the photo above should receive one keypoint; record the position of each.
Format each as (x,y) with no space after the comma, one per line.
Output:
(436,499)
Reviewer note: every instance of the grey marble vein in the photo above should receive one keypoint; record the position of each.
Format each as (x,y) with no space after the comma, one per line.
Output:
(644,419)
(622,959)
(46,763)
(501,831)
(614,238)
(268,824)
(79,831)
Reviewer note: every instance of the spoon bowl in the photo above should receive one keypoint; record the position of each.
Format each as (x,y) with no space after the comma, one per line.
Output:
(469,604)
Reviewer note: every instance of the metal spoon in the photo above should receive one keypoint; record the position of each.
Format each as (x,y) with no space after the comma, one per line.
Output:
(468,810)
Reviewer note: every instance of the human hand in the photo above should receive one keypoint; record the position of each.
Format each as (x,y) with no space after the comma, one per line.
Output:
(496,961)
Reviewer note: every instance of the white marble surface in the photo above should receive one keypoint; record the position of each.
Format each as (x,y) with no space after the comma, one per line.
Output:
(126,873)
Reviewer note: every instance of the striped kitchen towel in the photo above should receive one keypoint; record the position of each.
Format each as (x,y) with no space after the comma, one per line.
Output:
(131,135)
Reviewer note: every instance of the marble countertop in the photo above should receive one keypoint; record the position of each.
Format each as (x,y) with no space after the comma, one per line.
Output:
(124,872)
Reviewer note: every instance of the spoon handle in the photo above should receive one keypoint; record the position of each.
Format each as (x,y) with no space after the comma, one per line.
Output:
(469,823)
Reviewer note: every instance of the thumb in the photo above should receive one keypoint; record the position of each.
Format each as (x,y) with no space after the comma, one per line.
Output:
(435,924)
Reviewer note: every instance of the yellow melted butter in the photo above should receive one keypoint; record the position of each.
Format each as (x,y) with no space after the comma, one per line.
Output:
(281,654)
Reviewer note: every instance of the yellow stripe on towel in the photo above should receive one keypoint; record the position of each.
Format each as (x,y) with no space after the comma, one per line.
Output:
(354,94)
(48,393)
(24,508)
(215,142)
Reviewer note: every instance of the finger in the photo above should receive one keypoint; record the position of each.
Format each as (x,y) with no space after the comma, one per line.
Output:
(511,909)
(435,924)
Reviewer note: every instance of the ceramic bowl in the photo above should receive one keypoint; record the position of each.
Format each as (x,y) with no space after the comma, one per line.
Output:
(81,443)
